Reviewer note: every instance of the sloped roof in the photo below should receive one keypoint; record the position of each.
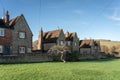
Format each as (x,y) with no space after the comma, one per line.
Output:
(70,36)
(51,36)
(13,21)
(97,43)
(88,43)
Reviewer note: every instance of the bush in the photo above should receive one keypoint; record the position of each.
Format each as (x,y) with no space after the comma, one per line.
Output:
(72,56)
(58,52)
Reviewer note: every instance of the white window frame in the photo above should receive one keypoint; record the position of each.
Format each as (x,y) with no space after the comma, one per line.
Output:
(61,42)
(22,50)
(1,49)
(68,43)
(2,32)
(22,35)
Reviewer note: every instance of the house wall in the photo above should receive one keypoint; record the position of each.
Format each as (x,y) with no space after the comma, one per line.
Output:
(21,25)
(75,47)
(6,40)
(85,51)
(61,38)
(47,46)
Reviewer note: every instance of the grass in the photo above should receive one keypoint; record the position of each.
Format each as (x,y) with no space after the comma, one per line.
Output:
(83,70)
(110,43)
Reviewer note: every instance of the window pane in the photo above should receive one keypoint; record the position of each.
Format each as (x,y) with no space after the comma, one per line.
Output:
(1,49)
(1,32)
(21,49)
(21,34)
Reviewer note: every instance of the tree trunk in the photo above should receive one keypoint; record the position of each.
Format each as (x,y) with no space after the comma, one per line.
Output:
(62,57)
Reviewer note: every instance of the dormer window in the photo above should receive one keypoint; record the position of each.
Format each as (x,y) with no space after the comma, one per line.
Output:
(22,35)
(2,32)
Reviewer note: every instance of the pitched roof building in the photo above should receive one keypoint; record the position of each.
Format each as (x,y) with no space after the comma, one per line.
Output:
(72,41)
(47,39)
(89,48)
(15,35)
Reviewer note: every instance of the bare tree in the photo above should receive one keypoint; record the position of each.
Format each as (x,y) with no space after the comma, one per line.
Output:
(58,52)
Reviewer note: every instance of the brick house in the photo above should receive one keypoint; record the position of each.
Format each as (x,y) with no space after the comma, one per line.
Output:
(50,38)
(89,48)
(16,36)
(72,41)
(5,36)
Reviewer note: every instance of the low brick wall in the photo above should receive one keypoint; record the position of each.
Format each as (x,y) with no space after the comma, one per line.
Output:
(31,57)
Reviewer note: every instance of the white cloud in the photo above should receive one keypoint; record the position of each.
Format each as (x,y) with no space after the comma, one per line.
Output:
(116,15)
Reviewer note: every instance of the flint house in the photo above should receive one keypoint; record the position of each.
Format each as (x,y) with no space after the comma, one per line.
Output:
(89,47)
(72,41)
(15,35)
(50,38)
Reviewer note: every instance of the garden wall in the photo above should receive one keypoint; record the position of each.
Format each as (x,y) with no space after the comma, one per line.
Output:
(32,57)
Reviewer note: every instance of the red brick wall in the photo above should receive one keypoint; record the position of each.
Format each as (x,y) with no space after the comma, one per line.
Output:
(6,40)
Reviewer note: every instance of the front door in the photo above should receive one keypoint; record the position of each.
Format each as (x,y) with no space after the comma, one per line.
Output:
(7,50)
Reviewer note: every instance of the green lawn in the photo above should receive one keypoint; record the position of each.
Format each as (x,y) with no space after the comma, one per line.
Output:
(83,70)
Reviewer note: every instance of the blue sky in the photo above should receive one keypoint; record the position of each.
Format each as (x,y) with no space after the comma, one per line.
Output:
(98,19)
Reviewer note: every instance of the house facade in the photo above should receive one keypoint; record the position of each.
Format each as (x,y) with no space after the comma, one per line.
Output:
(72,41)
(89,48)
(5,36)
(48,39)
(16,35)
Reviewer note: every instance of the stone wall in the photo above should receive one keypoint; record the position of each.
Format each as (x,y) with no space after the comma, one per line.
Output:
(32,57)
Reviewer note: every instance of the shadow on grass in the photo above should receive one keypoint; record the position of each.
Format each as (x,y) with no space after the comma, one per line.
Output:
(87,60)
(100,60)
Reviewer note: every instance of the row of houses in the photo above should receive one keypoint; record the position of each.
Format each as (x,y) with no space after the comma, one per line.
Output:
(57,37)
(16,38)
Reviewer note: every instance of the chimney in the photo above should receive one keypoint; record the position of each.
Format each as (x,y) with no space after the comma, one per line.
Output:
(6,17)
(67,34)
(40,40)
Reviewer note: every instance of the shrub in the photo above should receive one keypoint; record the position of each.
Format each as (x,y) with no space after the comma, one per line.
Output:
(72,56)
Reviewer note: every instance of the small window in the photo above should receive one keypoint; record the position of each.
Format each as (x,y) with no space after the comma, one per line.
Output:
(22,35)
(1,49)
(2,32)
(61,42)
(21,49)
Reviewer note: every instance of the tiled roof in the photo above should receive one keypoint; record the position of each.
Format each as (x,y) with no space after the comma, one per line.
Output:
(51,36)
(70,36)
(12,22)
(88,43)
